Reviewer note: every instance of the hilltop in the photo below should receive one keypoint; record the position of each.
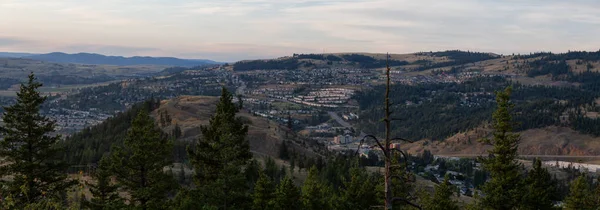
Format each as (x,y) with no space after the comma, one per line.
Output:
(449,62)
(191,112)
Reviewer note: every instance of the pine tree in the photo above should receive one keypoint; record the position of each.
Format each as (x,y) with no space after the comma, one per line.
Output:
(503,190)
(263,193)
(284,154)
(287,196)
(540,190)
(314,193)
(138,166)
(220,155)
(28,150)
(252,172)
(442,198)
(105,194)
(580,195)
(359,192)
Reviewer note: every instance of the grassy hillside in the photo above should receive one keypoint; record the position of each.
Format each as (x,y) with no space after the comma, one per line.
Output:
(190,112)
(546,141)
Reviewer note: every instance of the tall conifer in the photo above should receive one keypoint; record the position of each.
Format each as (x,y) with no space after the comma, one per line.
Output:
(138,165)
(29,151)
(220,155)
(504,189)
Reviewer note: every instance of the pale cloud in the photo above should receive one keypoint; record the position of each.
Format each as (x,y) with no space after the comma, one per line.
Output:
(246,29)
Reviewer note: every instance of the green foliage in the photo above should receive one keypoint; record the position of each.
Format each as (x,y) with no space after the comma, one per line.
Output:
(540,192)
(402,186)
(279,64)
(105,195)
(314,192)
(287,196)
(359,191)
(504,188)
(263,193)
(437,111)
(456,57)
(90,144)
(442,198)
(219,156)
(29,151)
(580,196)
(138,165)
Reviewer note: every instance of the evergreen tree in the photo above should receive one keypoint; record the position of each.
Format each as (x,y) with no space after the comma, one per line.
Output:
(540,190)
(442,198)
(580,195)
(503,190)
(287,196)
(359,192)
(252,172)
(220,155)
(284,154)
(314,193)
(28,150)
(105,195)
(271,169)
(263,193)
(138,166)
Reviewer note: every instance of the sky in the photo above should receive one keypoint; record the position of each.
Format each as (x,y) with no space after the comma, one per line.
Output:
(225,30)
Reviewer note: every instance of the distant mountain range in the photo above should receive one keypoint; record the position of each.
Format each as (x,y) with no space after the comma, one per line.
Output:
(92,58)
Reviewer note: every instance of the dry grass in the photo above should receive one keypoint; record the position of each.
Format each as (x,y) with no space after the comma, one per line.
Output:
(190,112)
(551,141)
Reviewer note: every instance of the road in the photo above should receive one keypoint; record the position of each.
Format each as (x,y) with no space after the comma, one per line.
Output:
(339,119)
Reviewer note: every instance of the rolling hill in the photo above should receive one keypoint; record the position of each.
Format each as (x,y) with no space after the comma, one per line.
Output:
(92,58)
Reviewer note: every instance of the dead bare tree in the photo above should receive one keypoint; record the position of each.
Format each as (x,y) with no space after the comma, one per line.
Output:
(388,150)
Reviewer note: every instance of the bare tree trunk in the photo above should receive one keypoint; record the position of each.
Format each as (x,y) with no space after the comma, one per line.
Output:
(388,161)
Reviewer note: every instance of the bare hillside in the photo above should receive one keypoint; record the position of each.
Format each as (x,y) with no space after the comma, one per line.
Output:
(559,141)
(190,112)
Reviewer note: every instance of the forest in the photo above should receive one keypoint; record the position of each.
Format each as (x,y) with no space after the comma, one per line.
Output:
(456,57)
(437,111)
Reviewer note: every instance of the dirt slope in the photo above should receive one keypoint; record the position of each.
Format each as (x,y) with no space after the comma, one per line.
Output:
(542,141)
(190,112)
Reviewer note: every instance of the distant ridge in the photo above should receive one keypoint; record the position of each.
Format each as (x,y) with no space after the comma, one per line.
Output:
(15,54)
(92,58)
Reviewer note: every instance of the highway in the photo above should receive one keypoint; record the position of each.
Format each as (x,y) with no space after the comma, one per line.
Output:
(339,119)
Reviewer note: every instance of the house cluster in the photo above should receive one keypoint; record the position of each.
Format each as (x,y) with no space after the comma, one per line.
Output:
(327,97)
(460,77)
(277,92)
(68,120)
(319,76)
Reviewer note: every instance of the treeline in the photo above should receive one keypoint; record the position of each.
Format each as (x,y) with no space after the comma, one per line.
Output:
(6,83)
(90,144)
(457,58)
(278,64)
(370,62)
(295,62)
(556,65)
(318,57)
(437,111)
